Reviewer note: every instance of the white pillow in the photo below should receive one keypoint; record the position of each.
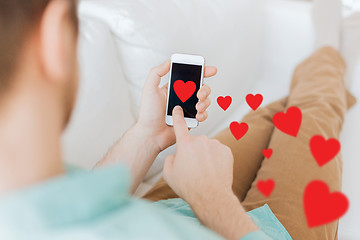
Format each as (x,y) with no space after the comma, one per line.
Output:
(102,113)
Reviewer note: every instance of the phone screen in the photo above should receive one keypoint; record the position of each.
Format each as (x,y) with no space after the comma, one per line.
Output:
(184,85)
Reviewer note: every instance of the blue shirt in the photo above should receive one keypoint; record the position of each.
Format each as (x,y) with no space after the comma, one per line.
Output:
(96,205)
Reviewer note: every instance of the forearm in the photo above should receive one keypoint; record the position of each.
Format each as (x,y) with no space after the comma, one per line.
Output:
(225,215)
(136,151)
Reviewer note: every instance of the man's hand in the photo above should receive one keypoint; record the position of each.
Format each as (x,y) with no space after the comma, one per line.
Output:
(153,106)
(201,172)
(201,166)
(141,144)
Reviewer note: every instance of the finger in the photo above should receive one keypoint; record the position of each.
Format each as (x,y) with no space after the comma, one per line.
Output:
(202,116)
(164,89)
(203,105)
(180,127)
(156,73)
(165,86)
(204,92)
(210,71)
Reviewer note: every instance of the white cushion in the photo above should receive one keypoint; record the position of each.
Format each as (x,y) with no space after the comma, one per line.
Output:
(102,113)
(349,224)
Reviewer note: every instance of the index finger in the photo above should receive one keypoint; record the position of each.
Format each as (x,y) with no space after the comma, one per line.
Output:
(180,127)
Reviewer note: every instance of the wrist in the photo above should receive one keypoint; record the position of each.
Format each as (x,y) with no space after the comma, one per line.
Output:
(137,140)
(147,138)
(207,202)
(225,215)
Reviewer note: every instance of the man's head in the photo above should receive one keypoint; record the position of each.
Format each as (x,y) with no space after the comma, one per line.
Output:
(38,51)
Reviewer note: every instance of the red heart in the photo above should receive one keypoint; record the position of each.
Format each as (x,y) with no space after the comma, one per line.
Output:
(289,122)
(224,102)
(254,101)
(238,129)
(324,150)
(184,90)
(267,153)
(321,206)
(266,187)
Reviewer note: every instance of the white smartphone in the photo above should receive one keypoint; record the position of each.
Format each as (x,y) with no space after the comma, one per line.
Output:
(185,80)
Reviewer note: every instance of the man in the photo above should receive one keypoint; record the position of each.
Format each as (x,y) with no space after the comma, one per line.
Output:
(39,200)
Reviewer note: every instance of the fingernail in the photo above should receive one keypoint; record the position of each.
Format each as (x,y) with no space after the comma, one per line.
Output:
(177,108)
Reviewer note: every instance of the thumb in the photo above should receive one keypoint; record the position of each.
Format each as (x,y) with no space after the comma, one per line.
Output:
(180,127)
(153,80)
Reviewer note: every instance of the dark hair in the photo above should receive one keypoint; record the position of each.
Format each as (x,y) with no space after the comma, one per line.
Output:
(17,19)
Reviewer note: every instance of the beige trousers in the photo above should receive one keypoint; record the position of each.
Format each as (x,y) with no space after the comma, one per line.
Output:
(317,88)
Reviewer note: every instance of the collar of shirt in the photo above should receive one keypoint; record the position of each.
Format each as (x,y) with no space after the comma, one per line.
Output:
(77,196)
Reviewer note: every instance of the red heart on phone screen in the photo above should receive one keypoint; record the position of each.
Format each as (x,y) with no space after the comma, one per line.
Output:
(184,90)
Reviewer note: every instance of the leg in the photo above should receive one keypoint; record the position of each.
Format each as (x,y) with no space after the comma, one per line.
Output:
(318,90)
(247,152)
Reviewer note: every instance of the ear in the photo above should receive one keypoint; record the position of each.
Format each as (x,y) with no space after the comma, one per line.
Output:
(54,29)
